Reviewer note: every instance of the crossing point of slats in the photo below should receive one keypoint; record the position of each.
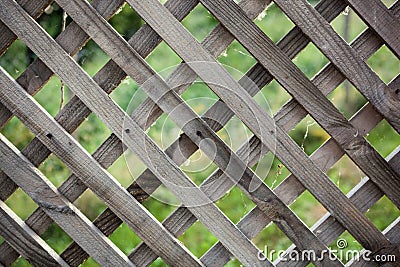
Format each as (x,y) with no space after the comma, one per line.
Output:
(311,24)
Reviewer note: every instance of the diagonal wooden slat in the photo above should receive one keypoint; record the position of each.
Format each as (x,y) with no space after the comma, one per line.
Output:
(364,195)
(71,39)
(393,233)
(95,177)
(345,58)
(179,221)
(25,240)
(249,112)
(319,107)
(34,8)
(74,223)
(137,140)
(108,78)
(261,86)
(170,102)
(375,14)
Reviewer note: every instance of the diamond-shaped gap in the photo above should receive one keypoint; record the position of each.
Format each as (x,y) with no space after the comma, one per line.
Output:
(16,58)
(347,99)
(90,262)
(389,3)
(385,64)
(313,2)
(17,133)
(345,247)
(55,170)
(21,203)
(236,60)
(308,135)
(20,262)
(161,208)
(234,262)
(307,208)
(235,204)
(272,240)
(276,171)
(90,204)
(164,131)
(51,96)
(268,20)
(348,25)
(92,133)
(126,21)
(199,97)
(92,58)
(159,262)
(235,133)
(169,60)
(383,138)
(199,22)
(128,95)
(345,174)
(121,171)
(198,239)
(310,60)
(383,213)
(52,20)
(125,238)
(56,238)
(272,97)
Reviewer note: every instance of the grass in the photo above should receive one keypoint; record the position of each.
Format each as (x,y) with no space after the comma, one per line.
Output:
(235,204)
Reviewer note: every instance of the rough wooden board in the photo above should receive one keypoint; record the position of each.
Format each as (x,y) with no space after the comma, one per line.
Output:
(198,131)
(250,113)
(139,142)
(345,58)
(308,95)
(392,232)
(70,219)
(25,240)
(71,39)
(376,15)
(34,8)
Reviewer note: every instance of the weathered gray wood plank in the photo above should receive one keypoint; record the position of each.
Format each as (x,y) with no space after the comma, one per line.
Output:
(197,130)
(25,240)
(71,39)
(392,232)
(319,107)
(375,14)
(138,141)
(34,8)
(345,58)
(250,113)
(70,219)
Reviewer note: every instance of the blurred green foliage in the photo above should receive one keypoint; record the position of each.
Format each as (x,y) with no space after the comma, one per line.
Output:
(307,134)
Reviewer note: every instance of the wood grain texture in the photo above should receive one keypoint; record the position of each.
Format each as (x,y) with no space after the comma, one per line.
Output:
(375,14)
(74,113)
(140,143)
(25,240)
(345,58)
(195,128)
(34,8)
(308,95)
(392,232)
(46,196)
(250,113)
(71,39)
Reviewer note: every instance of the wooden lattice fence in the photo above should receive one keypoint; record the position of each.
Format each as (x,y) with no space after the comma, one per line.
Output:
(274,61)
